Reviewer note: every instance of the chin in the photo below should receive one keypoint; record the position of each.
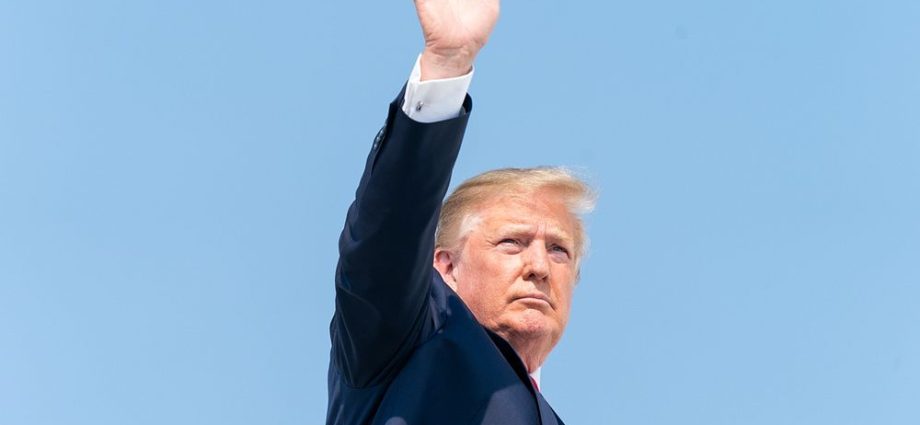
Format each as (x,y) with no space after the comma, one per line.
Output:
(531,324)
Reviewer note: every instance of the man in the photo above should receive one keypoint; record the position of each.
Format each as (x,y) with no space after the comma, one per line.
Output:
(461,342)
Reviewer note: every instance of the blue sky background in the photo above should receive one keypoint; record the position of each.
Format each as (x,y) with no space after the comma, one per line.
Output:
(174,175)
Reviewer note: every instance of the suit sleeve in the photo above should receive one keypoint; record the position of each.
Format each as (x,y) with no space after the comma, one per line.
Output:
(385,251)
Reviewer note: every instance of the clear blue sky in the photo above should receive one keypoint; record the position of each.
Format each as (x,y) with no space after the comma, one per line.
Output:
(174,175)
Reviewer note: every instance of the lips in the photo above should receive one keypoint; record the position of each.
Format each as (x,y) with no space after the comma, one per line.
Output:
(538,296)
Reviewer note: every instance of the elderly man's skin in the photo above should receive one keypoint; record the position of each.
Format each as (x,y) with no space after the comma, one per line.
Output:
(516,270)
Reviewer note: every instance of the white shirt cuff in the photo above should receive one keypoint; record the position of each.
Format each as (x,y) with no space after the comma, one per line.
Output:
(434,100)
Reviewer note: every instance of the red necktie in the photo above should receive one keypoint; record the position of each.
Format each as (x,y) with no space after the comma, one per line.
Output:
(534,382)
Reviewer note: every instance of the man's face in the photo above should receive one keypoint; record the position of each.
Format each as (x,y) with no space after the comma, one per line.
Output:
(516,269)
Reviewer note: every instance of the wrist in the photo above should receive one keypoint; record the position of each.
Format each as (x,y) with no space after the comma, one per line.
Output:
(440,65)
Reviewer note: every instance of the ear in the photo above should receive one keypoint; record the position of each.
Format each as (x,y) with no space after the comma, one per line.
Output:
(444,264)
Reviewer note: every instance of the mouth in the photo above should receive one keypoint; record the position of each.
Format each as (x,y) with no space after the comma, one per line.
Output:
(534,298)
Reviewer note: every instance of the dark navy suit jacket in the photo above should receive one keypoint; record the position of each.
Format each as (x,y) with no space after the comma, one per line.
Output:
(405,348)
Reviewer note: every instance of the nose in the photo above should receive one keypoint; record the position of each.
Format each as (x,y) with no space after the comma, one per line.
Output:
(536,263)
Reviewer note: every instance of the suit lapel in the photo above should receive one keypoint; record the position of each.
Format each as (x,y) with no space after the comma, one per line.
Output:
(547,414)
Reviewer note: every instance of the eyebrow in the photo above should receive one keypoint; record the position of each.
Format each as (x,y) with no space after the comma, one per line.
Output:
(552,232)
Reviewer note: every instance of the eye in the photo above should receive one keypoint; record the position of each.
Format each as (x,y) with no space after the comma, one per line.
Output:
(559,249)
(510,245)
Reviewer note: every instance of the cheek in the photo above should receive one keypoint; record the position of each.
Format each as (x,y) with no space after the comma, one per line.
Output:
(565,292)
(473,284)
(494,266)
(484,282)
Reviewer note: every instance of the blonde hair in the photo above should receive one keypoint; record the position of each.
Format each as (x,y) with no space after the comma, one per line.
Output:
(458,212)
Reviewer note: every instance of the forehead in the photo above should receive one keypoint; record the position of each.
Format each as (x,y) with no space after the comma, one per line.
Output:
(525,213)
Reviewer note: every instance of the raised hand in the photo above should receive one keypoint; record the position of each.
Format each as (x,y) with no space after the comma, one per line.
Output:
(455,31)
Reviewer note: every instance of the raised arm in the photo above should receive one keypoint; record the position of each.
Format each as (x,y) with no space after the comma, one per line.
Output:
(386,247)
